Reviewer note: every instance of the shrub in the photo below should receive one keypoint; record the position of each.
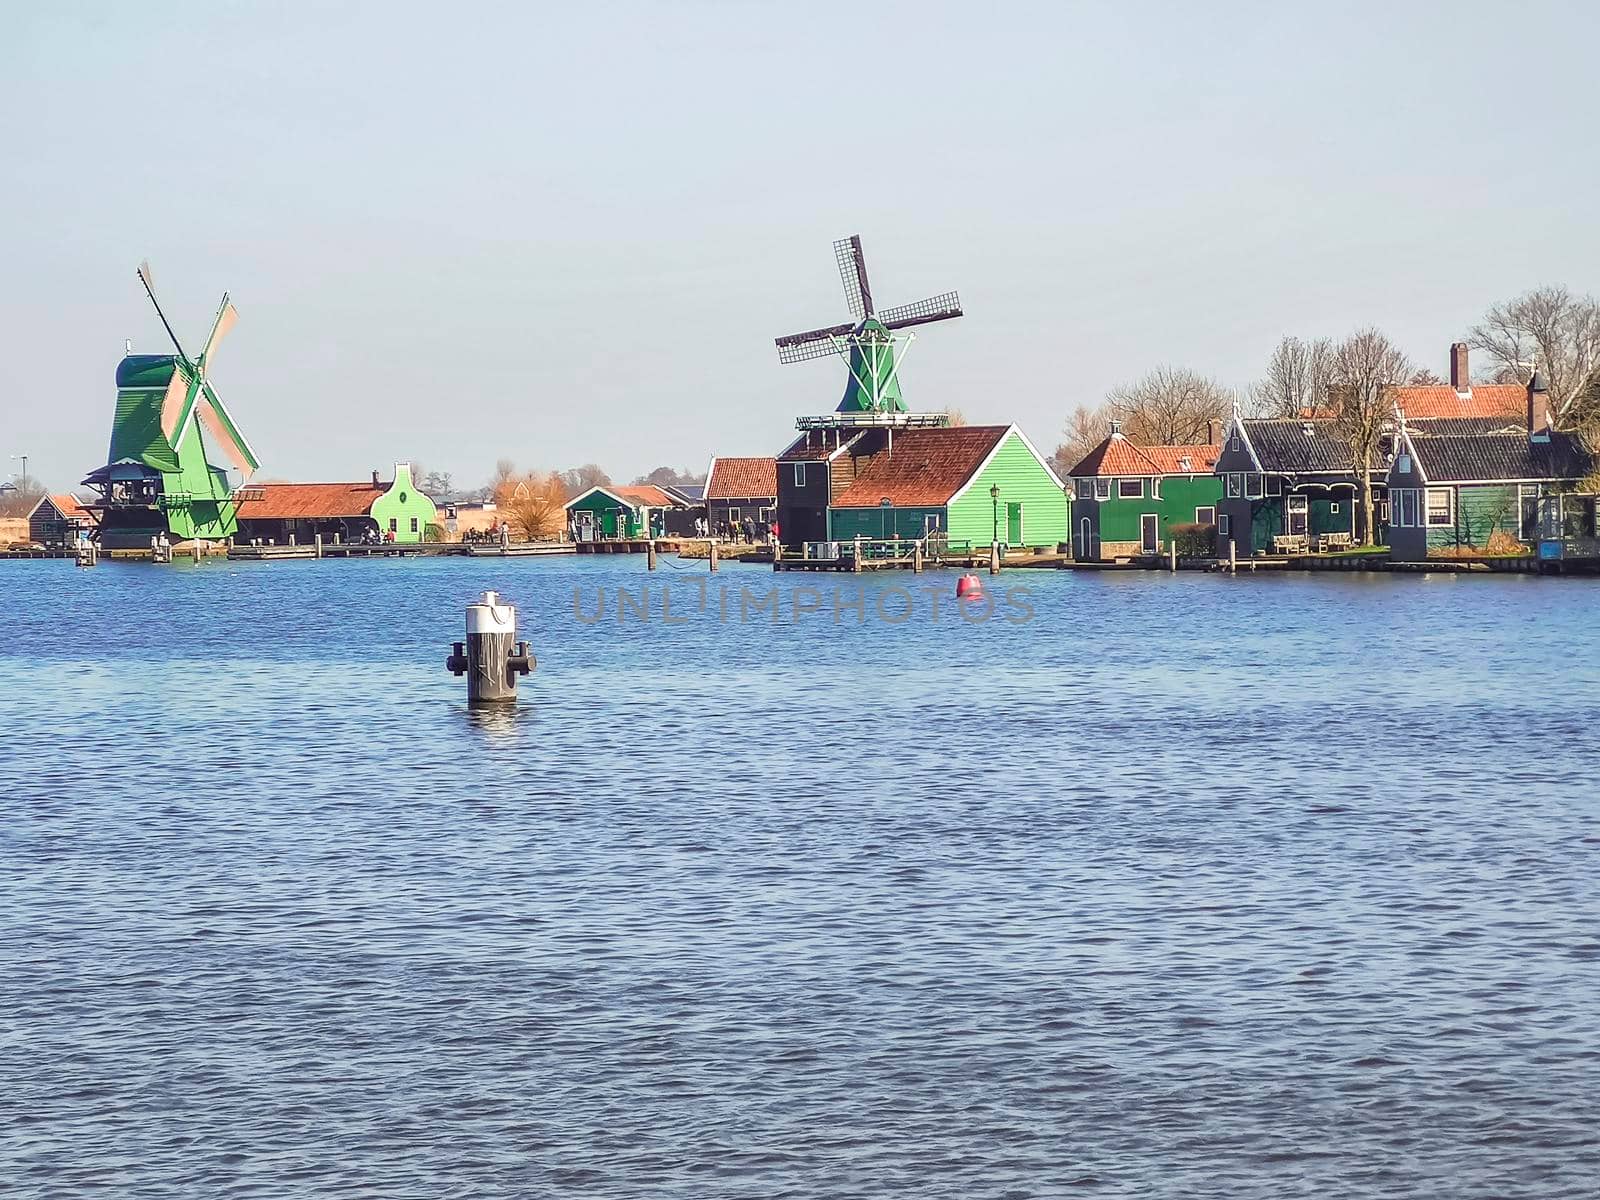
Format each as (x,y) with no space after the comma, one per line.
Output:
(1194,540)
(433,533)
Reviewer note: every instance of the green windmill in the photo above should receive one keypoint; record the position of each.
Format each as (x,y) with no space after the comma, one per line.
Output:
(872,345)
(173,445)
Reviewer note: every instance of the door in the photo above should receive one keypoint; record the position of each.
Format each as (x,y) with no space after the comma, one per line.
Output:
(1085,540)
(1297,516)
(1149,535)
(1014,524)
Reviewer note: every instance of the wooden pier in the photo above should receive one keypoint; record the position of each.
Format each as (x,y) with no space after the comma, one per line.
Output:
(628,545)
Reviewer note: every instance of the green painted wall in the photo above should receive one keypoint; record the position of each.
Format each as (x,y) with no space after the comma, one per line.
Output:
(1022,480)
(1266,522)
(403,508)
(1330,515)
(847,523)
(612,520)
(1480,510)
(1180,495)
(198,499)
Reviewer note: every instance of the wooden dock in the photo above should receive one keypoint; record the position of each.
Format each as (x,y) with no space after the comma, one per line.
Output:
(629,545)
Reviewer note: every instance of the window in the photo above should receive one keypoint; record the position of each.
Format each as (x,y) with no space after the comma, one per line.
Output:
(1155,487)
(1403,504)
(799,474)
(1225,525)
(394,525)
(1235,485)
(1402,465)
(733,514)
(1441,507)
(1235,443)
(1130,489)
(1102,489)
(1205,516)
(1254,486)
(1085,489)
(1333,507)
(1274,485)
(413,524)
(764,515)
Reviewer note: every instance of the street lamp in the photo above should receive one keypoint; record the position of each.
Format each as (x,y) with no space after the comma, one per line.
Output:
(23,487)
(886,504)
(994,504)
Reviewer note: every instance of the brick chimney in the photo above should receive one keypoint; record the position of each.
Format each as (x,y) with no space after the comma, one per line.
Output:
(1460,376)
(375,482)
(1538,409)
(1213,432)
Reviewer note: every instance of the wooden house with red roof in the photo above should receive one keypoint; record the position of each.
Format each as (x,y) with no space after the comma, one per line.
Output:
(628,511)
(1130,500)
(740,489)
(906,479)
(57,520)
(285,513)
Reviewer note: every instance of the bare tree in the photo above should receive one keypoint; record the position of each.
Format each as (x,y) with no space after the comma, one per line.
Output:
(1558,331)
(1296,382)
(1086,428)
(581,479)
(1365,366)
(956,416)
(535,506)
(1170,406)
(1423,377)
(18,496)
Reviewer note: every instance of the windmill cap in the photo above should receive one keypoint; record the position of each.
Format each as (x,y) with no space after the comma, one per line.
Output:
(144,370)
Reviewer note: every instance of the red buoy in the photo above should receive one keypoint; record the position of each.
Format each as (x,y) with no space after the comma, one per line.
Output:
(969,587)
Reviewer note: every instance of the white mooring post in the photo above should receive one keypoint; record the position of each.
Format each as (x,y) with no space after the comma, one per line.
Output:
(1172,554)
(994,558)
(491,657)
(1233,557)
(319,545)
(713,554)
(650,554)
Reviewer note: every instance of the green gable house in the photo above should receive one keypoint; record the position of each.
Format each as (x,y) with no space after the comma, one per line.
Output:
(1127,499)
(1287,486)
(282,514)
(623,511)
(974,483)
(1454,487)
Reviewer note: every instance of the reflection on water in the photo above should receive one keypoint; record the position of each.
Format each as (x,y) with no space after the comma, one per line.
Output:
(1189,886)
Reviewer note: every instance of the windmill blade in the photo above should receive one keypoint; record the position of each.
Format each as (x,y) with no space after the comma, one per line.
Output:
(174,404)
(943,307)
(227,318)
(853,273)
(149,290)
(220,434)
(816,343)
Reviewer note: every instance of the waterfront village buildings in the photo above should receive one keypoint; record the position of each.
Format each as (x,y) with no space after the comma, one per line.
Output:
(295,513)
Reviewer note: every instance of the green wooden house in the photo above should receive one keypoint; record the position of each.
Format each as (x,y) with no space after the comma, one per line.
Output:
(975,483)
(1127,499)
(610,511)
(1453,487)
(281,513)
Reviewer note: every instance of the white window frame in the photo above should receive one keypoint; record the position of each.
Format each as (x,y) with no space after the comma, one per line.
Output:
(1449,514)
(1206,508)
(1255,486)
(733,517)
(1085,489)
(1406,503)
(1274,485)
(1235,485)
(1155,487)
(1224,524)
(764,516)
(799,474)
(1102,488)
(1124,494)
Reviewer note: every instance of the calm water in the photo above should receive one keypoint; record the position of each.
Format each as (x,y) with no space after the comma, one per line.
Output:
(1189,886)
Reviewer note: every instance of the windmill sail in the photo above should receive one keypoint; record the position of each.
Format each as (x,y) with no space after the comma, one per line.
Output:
(225,446)
(227,318)
(942,307)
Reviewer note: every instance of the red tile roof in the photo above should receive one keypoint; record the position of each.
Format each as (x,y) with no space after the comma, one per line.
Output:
(1118,456)
(812,447)
(926,467)
(288,501)
(1442,400)
(647,494)
(742,478)
(70,507)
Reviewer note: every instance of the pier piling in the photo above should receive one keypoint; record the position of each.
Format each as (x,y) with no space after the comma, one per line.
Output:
(491,658)
(994,558)
(650,554)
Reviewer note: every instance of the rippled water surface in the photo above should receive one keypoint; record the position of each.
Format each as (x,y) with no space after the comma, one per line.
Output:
(1256,887)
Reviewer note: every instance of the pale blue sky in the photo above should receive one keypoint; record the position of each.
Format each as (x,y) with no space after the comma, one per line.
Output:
(570,233)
